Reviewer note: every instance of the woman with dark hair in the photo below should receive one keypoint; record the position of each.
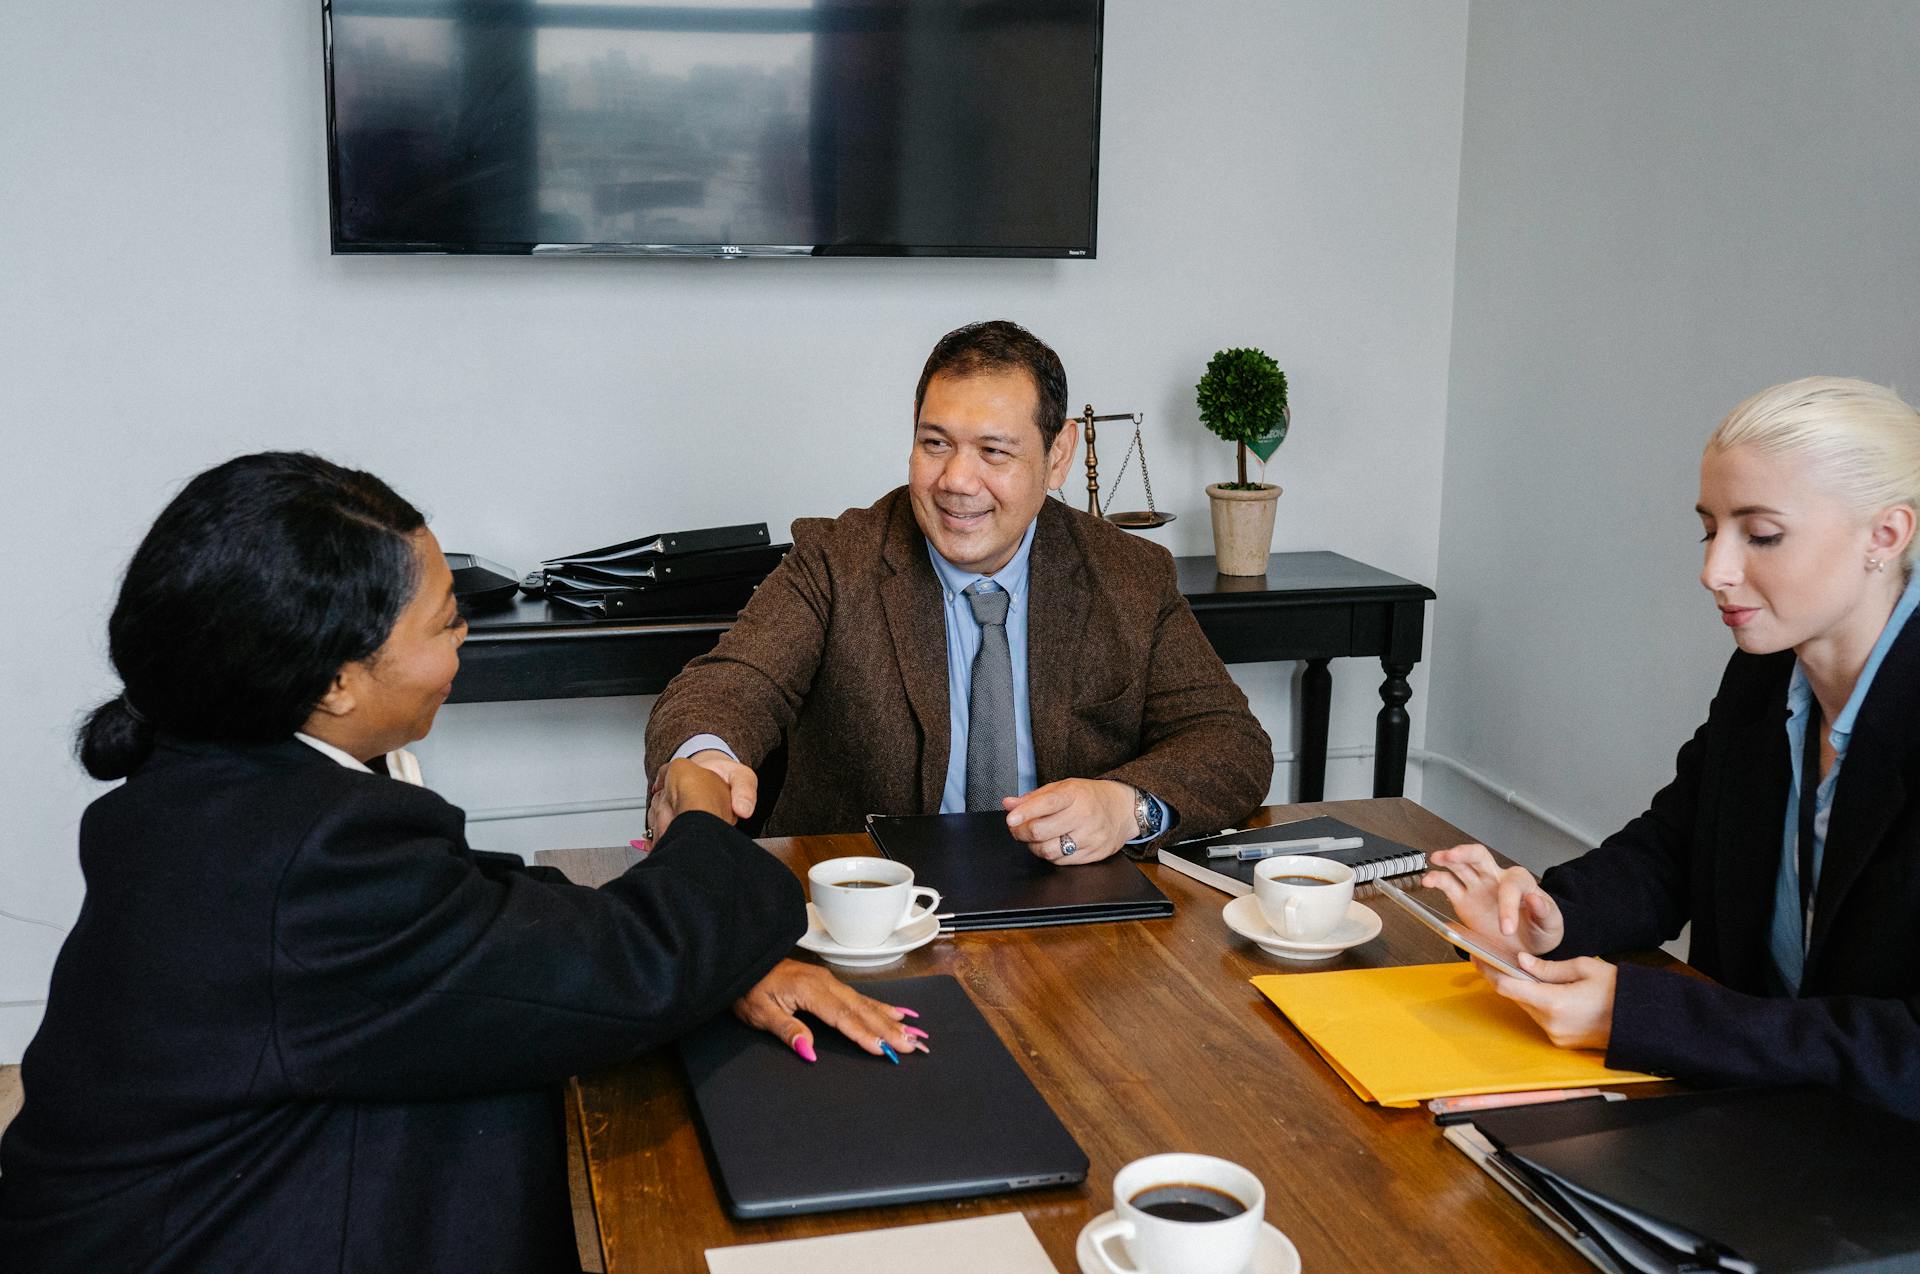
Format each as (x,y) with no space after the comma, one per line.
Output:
(299,1024)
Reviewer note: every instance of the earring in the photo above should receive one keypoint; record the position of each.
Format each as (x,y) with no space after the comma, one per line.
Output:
(1876,564)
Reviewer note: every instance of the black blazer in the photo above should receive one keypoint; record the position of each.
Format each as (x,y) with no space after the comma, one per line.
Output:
(1707,851)
(299,1025)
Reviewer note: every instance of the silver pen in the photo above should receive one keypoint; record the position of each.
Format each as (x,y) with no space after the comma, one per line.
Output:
(1327,843)
(1245,850)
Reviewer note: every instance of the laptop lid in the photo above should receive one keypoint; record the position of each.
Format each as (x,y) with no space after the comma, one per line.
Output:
(853,1131)
(989,880)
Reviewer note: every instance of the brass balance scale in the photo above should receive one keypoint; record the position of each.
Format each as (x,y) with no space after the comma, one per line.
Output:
(1132,520)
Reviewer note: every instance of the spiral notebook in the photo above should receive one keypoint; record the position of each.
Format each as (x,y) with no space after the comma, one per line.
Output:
(1375,860)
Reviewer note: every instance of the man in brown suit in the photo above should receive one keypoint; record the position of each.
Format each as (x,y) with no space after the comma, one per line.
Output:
(968,643)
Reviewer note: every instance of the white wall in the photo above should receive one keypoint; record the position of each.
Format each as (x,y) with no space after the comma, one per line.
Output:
(1275,174)
(1663,208)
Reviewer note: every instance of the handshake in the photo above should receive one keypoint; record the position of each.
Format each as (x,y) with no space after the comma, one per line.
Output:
(694,783)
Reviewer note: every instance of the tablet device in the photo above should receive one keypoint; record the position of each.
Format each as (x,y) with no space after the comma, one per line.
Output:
(1498,952)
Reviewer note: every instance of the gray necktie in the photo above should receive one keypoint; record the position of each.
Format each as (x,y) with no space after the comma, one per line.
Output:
(992,765)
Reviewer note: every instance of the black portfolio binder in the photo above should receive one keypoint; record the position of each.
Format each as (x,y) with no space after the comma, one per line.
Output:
(661,572)
(852,1131)
(669,544)
(989,880)
(1769,1179)
(709,582)
(707,597)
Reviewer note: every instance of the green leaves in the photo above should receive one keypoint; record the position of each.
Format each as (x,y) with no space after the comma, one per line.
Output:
(1243,398)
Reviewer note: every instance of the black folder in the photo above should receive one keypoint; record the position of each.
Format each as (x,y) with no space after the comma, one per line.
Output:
(1775,1179)
(852,1131)
(660,572)
(721,598)
(711,582)
(669,544)
(989,880)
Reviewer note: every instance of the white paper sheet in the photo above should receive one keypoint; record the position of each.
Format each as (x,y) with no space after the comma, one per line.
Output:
(1003,1243)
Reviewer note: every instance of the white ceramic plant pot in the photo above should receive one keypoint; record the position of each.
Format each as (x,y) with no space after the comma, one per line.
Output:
(1242,527)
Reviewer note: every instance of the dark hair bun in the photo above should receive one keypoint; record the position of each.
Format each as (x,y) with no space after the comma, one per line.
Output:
(113,741)
(256,583)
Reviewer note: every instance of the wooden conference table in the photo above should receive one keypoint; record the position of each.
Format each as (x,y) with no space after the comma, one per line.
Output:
(1314,607)
(1144,1037)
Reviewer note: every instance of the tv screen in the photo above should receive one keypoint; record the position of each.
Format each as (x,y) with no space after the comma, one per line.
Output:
(725,128)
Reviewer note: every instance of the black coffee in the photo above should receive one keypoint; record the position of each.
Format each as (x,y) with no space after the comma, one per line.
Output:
(862,884)
(1185,1201)
(1302,880)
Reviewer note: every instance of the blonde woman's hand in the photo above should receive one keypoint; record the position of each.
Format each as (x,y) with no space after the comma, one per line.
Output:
(1572,1001)
(1507,901)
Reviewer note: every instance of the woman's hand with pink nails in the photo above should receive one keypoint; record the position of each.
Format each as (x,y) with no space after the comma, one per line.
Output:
(791,988)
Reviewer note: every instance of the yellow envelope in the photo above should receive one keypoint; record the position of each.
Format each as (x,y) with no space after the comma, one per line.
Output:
(1399,1036)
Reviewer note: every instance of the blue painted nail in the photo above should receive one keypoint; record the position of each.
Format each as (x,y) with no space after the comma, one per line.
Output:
(886,1050)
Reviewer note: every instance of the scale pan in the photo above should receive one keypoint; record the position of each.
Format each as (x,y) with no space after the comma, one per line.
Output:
(1139,520)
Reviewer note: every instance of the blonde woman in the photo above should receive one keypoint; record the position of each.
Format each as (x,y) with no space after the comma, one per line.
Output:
(1804,907)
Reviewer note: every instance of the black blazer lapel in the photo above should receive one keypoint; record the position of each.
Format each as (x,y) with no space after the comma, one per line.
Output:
(910,598)
(1059,645)
(1751,824)
(1873,781)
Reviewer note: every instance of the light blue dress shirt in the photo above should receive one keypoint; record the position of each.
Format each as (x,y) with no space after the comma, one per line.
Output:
(1791,929)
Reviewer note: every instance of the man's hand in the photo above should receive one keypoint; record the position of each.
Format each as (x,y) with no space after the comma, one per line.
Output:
(684,785)
(1096,813)
(742,783)
(792,988)
(1487,897)
(1572,1001)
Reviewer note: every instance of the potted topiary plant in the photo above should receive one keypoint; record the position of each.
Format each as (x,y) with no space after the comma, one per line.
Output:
(1243,399)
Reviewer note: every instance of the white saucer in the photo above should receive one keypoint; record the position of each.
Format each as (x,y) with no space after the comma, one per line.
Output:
(1361,924)
(919,930)
(1273,1254)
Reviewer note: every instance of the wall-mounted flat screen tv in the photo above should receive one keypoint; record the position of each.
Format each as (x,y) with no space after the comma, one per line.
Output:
(723,128)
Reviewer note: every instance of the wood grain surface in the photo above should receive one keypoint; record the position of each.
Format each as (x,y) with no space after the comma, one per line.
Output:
(1145,1037)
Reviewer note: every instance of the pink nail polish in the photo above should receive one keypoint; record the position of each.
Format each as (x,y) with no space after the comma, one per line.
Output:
(916,1032)
(804,1046)
(904,1012)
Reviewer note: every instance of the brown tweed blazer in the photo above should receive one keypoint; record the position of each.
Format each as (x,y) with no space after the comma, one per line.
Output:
(842,653)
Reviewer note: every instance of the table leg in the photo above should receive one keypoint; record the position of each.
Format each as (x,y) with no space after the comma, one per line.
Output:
(1316,700)
(1390,732)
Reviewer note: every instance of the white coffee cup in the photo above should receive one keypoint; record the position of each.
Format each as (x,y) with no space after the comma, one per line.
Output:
(1160,1245)
(862,901)
(1302,913)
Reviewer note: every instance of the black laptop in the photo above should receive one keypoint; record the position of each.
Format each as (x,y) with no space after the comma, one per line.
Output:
(989,880)
(854,1131)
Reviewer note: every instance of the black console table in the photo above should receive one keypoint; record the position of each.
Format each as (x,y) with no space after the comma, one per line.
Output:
(1314,607)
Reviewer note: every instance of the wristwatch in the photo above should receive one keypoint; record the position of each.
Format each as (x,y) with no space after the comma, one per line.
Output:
(1147,815)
